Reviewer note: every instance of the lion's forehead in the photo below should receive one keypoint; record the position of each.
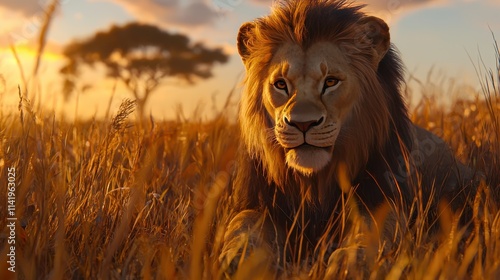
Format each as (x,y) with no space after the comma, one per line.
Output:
(310,65)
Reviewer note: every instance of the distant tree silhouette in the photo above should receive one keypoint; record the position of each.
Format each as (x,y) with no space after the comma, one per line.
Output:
(140,56)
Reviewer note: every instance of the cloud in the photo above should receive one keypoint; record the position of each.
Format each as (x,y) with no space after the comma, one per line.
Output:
(391,10)
(27,8)
(166,3)
(267,2)
(12,26)
(22,20)
(393,5)
(183,13)
(197,13)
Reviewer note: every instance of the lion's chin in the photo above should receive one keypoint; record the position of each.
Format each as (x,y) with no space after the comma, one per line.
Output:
(308,159)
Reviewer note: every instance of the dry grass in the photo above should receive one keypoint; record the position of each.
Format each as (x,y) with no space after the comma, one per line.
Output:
(113,199)
(109,198)
(117,199)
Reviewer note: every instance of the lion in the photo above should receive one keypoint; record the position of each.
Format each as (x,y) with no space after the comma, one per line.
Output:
(322,117)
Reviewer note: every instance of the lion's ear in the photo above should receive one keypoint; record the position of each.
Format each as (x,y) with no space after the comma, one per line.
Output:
(245,36)
(376,31)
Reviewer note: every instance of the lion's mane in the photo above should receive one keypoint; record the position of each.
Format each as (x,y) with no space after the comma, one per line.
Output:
(369,144)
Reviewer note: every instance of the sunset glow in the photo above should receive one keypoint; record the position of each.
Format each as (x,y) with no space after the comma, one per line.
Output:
(437,35)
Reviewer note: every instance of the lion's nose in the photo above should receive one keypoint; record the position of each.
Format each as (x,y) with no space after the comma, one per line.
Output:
(304,126)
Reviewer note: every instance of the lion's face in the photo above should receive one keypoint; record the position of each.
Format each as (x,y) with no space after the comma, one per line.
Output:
(313,98)
(309,95)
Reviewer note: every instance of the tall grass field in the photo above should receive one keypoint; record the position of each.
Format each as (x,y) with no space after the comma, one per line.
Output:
(117,198)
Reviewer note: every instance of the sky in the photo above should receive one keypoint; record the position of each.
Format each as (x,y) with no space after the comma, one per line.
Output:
(442,37)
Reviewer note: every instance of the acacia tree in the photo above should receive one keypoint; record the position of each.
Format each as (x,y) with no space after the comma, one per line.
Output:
(141,56)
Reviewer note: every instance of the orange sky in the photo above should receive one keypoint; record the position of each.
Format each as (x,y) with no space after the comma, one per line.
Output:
(430,34)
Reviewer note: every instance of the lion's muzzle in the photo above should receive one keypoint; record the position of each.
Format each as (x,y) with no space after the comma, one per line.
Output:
(308,144)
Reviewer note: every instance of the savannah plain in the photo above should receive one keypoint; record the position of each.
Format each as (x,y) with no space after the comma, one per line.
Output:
(119,198)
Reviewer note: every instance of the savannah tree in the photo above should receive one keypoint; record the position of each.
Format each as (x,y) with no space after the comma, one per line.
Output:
(141,56)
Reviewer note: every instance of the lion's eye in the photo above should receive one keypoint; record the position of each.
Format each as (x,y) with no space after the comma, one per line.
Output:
(331,82)
(280,85)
